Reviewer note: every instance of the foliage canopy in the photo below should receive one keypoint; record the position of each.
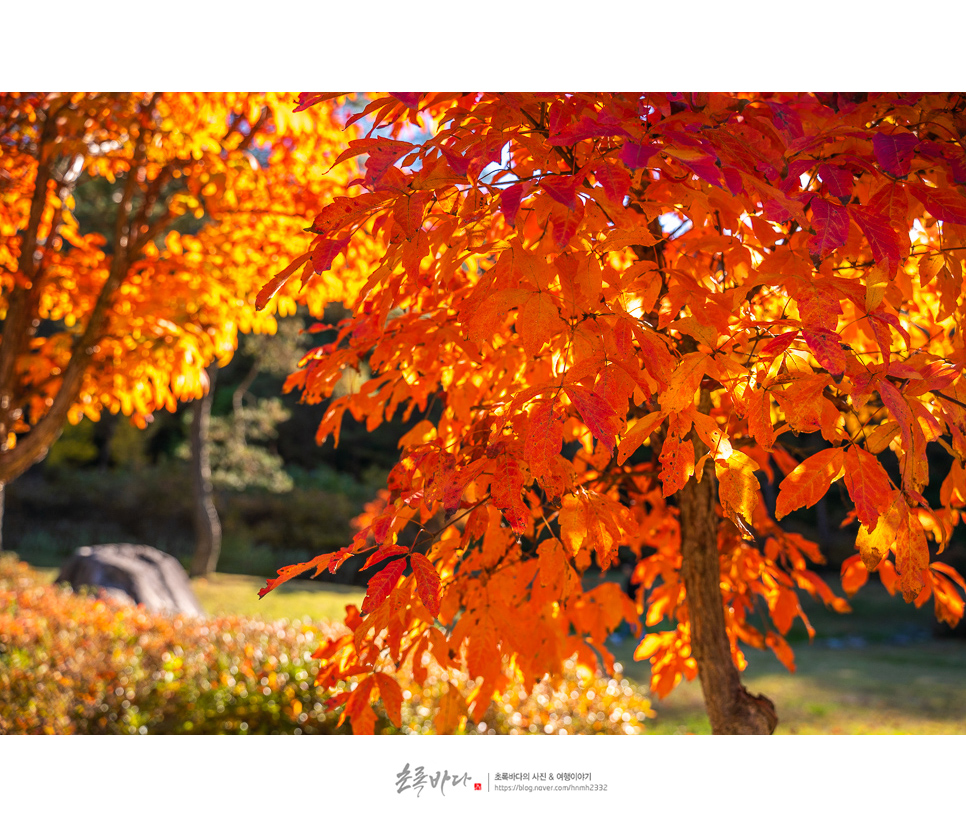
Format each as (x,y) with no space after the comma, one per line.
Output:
(611,299)
(205,195)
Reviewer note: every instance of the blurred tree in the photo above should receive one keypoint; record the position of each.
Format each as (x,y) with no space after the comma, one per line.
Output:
(205,197)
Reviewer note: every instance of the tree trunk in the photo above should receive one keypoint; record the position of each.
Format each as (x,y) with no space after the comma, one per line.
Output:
(731,708)
(207,524)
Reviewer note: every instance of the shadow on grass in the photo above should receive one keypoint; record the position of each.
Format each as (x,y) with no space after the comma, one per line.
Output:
(876,670)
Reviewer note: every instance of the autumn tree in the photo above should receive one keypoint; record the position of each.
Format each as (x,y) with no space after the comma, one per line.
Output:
(631,311)
(208,195)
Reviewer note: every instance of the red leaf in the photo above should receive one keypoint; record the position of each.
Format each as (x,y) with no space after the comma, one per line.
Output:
(307,100)
(636,156)
(565,225)
(382,584)
(506,491)
(894,152)
(456,161)
(831,227)
(899,408)
(562,189)
(320,563)
(838,181)
(510,202)
(596,413)
(408,212)
(325,253)
(777,344)
(587,128)
(409,99)
(882,238)
(384,552)
(615,180)
(706,169)
(942,203)
(427,582)
(266,293)
(826,348)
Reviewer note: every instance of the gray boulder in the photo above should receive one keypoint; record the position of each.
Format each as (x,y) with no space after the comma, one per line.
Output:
(134,574)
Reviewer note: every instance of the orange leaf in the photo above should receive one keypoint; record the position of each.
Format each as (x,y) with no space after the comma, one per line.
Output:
(391,694)
(868,485)
(912,555)
(641,430)
(809,481)
(268,291)
(427,582)
(677,463)
(452,712)
(779,645)
(573,522)
(854,574)
(738,488)
(506,490)
(544,438)
(539,318)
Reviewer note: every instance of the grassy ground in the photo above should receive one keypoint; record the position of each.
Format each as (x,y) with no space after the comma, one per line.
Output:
(877,670)
(226,594)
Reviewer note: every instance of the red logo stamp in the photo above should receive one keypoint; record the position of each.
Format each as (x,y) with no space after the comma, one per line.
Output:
(477,786)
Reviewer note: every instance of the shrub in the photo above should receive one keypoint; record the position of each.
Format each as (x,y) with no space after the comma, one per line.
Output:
(71,663)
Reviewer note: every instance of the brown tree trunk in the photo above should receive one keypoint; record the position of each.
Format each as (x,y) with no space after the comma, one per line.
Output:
(731,708)
(207,524)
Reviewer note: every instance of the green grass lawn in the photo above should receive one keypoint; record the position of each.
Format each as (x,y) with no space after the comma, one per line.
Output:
(876,670)
(225,593)
(228,594)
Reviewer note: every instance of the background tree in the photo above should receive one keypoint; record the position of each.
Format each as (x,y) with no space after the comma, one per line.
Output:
(630,308)
(207,195)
